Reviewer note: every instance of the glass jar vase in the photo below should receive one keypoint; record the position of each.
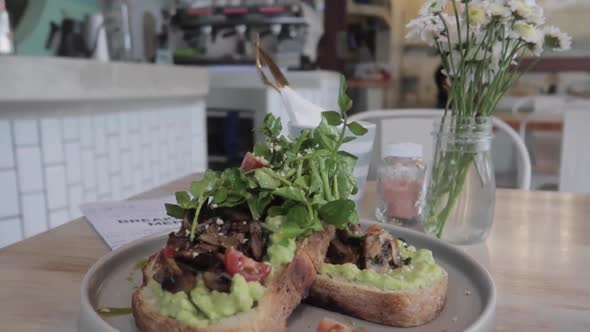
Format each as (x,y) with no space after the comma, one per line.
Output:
(460,198)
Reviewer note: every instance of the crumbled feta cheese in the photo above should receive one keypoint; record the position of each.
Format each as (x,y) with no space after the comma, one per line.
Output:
(244,222)
(187,232)
(220,234)
(219,221)
(244,240)
(195,254)
(214,206)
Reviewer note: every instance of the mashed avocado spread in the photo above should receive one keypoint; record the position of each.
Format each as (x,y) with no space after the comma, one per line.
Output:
(204,307)
(420,273)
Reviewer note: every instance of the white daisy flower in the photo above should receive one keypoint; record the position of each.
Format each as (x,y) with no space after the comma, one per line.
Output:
(521,8)
(527,32)
(556,39)
(498,10)
(477,15)
(426,29)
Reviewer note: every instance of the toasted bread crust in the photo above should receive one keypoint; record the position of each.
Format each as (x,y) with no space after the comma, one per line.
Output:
(283,294)
(394,308)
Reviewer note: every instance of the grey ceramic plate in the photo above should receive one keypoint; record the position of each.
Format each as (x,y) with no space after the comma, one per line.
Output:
(470,306)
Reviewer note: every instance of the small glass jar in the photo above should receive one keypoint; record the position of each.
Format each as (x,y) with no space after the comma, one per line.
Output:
(400,183)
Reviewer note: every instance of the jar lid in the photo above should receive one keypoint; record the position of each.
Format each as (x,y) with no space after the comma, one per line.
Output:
(405,150)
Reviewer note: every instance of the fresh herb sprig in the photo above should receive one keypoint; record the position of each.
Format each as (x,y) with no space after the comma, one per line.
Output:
(306,185)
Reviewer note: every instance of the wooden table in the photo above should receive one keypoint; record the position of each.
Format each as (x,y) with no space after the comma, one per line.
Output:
(538,254)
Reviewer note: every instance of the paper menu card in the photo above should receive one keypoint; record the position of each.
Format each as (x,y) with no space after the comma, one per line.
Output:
(119,223)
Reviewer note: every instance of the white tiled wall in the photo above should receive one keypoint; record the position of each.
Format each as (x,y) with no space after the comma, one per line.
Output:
(49,166)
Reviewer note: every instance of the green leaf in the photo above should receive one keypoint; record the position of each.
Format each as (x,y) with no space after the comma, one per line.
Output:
(344,102)
(262,150)
(265,180)
(263,201)
(347,139)
(182,198)
(326,136)
(174,211)
(219,196)
(302,181)
(357,129)
(315,181)
(291,193)
(348,155)
(289,231)
(333,118)
(338,212)
(253,207)
(275,211)
(205,185)
(297,215)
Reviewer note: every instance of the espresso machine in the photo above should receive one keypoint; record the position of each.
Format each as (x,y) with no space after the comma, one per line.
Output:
(224,32)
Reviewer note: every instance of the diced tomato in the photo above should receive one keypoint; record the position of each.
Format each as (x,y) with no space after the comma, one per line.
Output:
(250,162)
(251,270)
(331,325)
(169,252)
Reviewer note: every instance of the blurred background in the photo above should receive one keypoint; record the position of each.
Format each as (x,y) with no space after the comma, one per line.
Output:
(104,99)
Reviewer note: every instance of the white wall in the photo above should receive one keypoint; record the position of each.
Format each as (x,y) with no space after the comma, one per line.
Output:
(102,151)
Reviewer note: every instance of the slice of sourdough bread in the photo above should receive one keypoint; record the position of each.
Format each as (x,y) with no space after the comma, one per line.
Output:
(394,308)
(283,293)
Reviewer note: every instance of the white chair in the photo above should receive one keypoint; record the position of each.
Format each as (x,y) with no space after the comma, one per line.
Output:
(416,125)
(575,155)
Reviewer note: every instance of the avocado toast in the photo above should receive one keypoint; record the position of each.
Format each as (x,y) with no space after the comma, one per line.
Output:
(373,276)
(253,238)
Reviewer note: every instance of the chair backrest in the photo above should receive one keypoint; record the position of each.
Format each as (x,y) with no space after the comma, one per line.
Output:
(416,125)
(575,157)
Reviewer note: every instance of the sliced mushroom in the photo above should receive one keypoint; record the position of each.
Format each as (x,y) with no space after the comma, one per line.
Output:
(381,253)
(217,281)
(256,245)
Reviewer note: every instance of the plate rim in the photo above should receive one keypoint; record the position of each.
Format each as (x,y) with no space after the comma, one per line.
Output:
(487,315)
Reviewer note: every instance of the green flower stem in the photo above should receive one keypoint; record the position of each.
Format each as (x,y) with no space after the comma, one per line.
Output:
(200,203)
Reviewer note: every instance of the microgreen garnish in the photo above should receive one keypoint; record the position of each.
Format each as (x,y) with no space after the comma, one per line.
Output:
(306,185)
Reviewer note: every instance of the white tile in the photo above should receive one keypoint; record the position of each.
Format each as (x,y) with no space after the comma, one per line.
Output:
(76,197)
(102,177)
(133,120)
(147,165)
(135,149)
(155,146)
(123,132)
(126,169)
(86,132)
(10,232)
(165,162)
(57,196)
(90,196)
(6,151)
(88,170)
(100,135)
(73,162)
(114,154)
(51,141)
(116,188)
(71,128)
(29,168)
(137,180)
(34,214)
(59,217)
(26,132)
(8,194)
(112,125)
